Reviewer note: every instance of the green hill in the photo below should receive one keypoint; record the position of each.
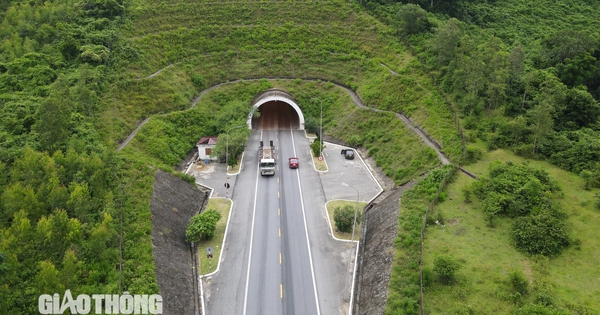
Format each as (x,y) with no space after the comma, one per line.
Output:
(76,77)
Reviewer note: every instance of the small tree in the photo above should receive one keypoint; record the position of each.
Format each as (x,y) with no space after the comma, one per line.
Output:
(316,147)
(311,125)
(446,267)
(202,226)
(344,218)
(413,20)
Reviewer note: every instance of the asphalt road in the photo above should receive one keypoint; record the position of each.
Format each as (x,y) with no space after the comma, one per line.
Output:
(280,277)
(314,273)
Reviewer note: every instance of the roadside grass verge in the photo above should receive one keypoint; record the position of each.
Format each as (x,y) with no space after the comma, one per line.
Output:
(571,280)
(235,168)
(404,288)
(208,265)
(320,165)
(332,205)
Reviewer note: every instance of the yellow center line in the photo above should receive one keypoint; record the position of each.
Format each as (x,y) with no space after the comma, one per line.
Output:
(280,258)
(277,179)
(280,234)
(281,291)
(277,194)
(278,211)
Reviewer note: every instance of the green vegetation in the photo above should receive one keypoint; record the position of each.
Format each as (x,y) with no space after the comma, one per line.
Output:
(446,268)
(524,77)
(76,77)
(208,265)
(316,146)
(523,192)
(338,204)
(202,226)
(346,218)
(489,258)
(404,292)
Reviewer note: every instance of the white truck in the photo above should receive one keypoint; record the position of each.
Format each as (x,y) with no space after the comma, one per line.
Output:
(266,158)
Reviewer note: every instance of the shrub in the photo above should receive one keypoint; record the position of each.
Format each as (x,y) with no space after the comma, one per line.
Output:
(540,234)
(344,218)
(202,226)
(472,155)
(466,193)
(316,147)
(519,282)
(446,267)
(198,81)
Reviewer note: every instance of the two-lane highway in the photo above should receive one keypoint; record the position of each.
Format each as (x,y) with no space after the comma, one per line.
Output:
(280,275)
(269,265)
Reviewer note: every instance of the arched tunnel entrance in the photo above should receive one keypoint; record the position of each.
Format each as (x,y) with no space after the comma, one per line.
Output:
(278,111)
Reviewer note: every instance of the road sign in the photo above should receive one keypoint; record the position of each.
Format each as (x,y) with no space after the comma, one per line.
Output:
(209,250)
(320,158)
(227,185)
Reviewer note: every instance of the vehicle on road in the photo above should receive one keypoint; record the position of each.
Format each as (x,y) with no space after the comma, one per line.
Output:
(266,158)
(293,162)
(348,154)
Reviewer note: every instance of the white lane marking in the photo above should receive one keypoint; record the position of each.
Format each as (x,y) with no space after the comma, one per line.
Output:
(312,269)
(251,238)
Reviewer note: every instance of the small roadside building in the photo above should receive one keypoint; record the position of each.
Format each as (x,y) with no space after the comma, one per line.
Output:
(205,146)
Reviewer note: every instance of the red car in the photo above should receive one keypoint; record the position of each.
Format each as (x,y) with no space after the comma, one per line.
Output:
(293,162)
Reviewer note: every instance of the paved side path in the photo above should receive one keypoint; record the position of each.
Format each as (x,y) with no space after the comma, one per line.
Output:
(132,134)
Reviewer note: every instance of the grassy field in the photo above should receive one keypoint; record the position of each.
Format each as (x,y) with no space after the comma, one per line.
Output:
(208,265)
(572,279)
(332,205)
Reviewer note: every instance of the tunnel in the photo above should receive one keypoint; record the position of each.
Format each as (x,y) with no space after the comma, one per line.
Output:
(277,111)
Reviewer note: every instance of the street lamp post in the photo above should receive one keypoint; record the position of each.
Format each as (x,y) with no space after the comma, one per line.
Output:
(227,162)
(321,129)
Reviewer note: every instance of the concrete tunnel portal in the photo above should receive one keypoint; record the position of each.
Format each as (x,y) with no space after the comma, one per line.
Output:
(278,111)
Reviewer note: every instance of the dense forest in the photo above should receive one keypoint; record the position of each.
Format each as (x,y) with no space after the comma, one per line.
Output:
(521,75)
(63,188)
(74,212)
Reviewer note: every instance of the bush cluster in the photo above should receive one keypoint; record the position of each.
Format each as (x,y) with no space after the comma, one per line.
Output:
(520,191)
(344,218)
(202,226)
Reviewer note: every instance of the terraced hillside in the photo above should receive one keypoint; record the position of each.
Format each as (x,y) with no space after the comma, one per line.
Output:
(199,44)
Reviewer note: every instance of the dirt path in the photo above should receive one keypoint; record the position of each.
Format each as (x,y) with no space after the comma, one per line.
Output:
(429,141)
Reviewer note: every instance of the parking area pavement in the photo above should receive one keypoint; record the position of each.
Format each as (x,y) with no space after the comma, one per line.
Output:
(213,175)
(354,173)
